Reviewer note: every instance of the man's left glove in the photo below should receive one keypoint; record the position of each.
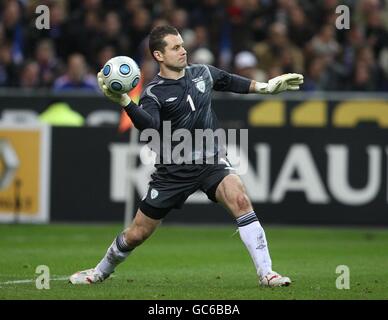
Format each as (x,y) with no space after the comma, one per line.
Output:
(289,81)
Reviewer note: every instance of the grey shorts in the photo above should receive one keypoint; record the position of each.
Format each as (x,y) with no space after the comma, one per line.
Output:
(172,184)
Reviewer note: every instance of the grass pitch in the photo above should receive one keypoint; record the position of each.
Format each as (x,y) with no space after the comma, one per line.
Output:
(180,262)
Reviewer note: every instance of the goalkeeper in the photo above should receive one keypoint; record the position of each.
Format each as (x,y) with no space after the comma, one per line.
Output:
(181,95)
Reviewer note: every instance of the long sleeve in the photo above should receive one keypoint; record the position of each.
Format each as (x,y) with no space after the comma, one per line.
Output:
(225,81)
(145,116)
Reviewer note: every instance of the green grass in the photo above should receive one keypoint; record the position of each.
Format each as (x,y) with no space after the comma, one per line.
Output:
(180,262)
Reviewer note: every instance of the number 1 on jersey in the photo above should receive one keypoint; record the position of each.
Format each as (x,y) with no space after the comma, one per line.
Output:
(190,100)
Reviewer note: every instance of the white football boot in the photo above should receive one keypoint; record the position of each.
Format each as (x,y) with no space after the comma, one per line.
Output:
(274,279)
(87,277)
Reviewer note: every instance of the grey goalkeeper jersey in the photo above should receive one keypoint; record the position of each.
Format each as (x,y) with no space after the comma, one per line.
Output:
(180,110)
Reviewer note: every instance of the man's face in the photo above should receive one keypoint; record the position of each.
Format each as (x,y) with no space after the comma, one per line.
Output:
(174,55)
(76,68)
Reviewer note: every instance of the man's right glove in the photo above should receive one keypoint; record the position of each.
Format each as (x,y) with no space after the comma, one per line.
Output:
(122,99)
(289,81)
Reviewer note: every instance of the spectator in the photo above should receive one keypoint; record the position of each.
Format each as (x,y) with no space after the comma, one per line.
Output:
(270,52)
(77,76)
(139,29)
(149,68)
(245,64)
(284,35)
(300,28)
(112,34)
(29,77)
(383,62)
(47,62)
(324,44)
(106,53)
(13,29)
(92,35)
(317,75)
(202,56)
(8,76)
(366,73)
(362,79)
(56,33)
(354,40)
(377,35)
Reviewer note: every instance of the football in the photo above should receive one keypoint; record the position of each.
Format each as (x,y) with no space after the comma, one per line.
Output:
(121,74)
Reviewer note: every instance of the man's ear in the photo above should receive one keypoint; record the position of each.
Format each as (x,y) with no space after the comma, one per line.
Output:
(158,55)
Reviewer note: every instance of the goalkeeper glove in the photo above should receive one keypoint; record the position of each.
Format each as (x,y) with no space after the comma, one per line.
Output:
(289,81)
(122,99)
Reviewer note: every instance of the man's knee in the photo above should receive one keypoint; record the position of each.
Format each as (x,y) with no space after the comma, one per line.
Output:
(243,203)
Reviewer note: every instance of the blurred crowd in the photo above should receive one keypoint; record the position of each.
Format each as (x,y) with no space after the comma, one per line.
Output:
(259,39)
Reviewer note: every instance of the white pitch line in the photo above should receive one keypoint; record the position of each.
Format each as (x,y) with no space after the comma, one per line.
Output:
(33,280)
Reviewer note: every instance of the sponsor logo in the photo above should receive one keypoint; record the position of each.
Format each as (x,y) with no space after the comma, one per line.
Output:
(321,182)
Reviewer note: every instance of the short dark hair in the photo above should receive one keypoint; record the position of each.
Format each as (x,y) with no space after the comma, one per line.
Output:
(157,35)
